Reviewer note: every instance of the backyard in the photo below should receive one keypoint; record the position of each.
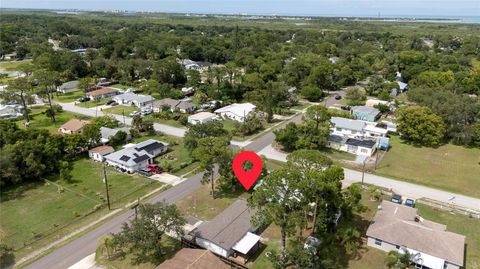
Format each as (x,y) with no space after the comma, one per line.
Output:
(52,206)
(38,119)
(120,110)
(68,97)
(449,167)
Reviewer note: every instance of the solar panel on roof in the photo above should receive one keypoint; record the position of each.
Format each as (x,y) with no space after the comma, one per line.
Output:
(124,158)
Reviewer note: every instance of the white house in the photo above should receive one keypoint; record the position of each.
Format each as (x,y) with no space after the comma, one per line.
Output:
(201,117)
(98,153)
(355,128)
(362,147)
(132,99)
(188,90)
(67,87)
(238,112)
(136,156)
(399,228)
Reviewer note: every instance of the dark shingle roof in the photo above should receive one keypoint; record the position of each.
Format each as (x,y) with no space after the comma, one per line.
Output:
(335,138)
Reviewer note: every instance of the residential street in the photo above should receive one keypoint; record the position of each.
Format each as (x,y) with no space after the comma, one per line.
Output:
(83,246)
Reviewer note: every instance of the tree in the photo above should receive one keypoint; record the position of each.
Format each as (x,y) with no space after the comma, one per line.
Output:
(19,90)
(143,236)
(398,260)
(207,129)
(92,134)
(420,125)
(7,256)
(249,126)
(355,96)
(280,200)
(86,83)
(319,115)
(288,136)
(119,138)
(312,93)
(47,81)
(105,121)
(209,151)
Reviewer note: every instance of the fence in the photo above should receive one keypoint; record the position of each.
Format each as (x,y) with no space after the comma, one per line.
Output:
(450,207)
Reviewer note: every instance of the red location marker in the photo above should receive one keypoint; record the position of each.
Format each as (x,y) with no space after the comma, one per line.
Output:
(247,178)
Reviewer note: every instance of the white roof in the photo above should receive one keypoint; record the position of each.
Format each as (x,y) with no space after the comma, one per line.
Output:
(246,243)
(202,116)
(350,124)
(402,85)
(237,109)
(374,129)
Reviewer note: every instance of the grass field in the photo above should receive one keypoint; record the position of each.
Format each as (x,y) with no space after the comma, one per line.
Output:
(119,109)
(449,167)
(68,97)
(201,205)
(38,119)
(93,103)
(11,65)
(177,156)
(36,210)
(456,223)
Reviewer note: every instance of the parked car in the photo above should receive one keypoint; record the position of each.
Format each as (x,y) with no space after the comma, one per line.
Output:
(345,107)
(410,202)
(111,103)
(154,168)
(83,99)
(146,112)
(338,97)
(135,113)
(396,199)
(145,172)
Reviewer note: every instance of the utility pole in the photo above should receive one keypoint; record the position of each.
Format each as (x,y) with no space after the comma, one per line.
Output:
(363,172)
(376,158)
(106,185)
(123,113)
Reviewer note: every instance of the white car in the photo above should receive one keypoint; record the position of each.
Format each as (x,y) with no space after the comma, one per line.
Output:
(135,113)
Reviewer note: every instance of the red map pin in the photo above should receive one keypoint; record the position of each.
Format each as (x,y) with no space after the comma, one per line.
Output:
(247,178)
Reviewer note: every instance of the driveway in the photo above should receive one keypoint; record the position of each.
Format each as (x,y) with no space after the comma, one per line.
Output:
(92,112)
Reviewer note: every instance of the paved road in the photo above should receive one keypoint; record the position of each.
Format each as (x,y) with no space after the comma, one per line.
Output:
(80,248)
(166,129)
(403,188)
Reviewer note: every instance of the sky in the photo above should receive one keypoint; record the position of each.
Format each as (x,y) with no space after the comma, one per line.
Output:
(430,8)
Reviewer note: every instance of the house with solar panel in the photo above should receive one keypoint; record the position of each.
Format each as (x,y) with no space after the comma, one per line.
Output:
(136,156)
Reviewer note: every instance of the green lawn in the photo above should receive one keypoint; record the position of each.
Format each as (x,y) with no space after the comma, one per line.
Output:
(300,106)
(11,65)
(36,210)
(68,97)
(461,224)
(449,167)
(119,109)
(38,119)
(177,156)
(94,103)
(170,246)
(172,123)
(201,205)
(120,86)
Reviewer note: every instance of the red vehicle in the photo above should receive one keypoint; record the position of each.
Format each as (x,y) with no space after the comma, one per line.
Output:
(155,168)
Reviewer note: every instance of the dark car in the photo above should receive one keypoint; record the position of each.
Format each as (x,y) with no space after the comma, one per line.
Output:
(145,172)
(111,103)
(83,99)
(345,107)
(409,202)
(396,199)
(338,97)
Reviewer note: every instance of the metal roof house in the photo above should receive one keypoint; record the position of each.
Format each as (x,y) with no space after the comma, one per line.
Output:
(367,113)
(230,232)
(399,228)
(136,156)
(201,117)
(237,112)
(70,86)
(132,99)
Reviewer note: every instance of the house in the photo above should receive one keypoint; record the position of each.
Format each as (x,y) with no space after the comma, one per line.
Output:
(185,107)
(376,102)
(194,258)
(107,133)
(133,99)
(201,117)
(399,228)
(73,126)
(367,113)
(136,156)
(70,86)
(188,90)
(356,128)
(11,111)
(238,112)
(363,147)
(166,103)
(98,153)
(103,92)
(230,232)
(402,87)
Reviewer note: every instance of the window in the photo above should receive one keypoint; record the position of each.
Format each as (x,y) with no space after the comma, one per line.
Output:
(378,242)
(339,129)
(364,151)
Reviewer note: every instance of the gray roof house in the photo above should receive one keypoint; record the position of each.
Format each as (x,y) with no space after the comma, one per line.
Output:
(70,86)
(106,133)
(399,228)
(367,113)
(173,105)
(138,100)
(136,156)
(229,232)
